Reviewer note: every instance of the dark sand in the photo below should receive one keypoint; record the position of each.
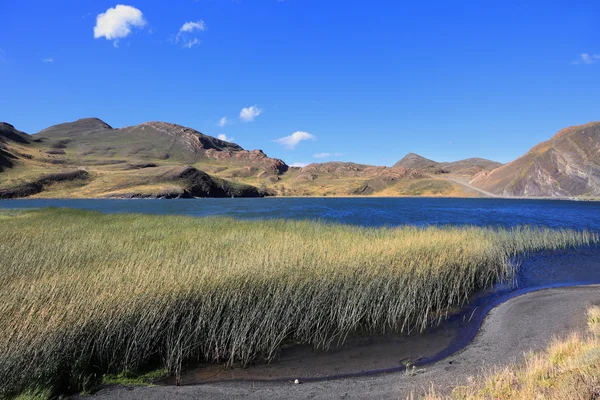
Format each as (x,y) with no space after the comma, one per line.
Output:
(525,323)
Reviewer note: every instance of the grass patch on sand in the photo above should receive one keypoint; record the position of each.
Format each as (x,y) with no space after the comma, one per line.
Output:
(567,369)
(128,378)
(85,294)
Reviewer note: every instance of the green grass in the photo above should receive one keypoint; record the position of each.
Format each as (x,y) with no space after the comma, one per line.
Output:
(128,378)
(85,294)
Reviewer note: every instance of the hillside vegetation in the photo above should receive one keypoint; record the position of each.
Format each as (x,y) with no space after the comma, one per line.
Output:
(85,294)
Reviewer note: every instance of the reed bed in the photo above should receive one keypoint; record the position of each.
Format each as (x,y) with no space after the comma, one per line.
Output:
(85,293)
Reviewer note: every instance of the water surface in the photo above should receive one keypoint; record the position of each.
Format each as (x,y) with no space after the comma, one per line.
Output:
(358,211)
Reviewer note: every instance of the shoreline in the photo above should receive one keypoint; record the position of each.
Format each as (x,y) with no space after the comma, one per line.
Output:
(524,323)
(447,339)
(574,199)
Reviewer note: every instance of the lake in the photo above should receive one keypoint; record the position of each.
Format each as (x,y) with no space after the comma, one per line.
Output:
(357,211)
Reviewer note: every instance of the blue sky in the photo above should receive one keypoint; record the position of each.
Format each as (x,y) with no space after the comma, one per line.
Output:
(364,81)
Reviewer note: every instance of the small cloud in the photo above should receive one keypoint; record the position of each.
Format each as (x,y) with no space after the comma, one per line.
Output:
(223,121)
(186,33)
(193,26)
(290,142)
(116,23)
(299,164)
(191,43)
(585,58)
(326,155)
(2,56)
(224,137)
(249,114)
(48,60)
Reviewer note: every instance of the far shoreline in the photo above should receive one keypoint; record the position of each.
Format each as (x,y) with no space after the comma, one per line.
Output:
(574,199)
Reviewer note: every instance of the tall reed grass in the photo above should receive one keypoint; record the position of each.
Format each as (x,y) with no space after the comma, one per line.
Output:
(85,293)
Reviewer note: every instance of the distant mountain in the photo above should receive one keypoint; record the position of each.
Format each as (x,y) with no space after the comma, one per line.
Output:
(415,161)
(350,179)
(566,165)
(468,167)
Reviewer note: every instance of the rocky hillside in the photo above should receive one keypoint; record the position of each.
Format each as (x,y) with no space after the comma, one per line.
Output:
(9,138)
(566,165)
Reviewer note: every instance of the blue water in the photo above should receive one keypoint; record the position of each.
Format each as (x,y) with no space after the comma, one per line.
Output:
(358,211)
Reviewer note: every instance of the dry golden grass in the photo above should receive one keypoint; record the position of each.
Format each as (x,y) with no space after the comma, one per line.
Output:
(84,294)
(568,369)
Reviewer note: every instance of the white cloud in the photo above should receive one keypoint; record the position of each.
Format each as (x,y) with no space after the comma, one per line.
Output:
(193,26)
(250,113)
(191,43)
(585,58)
(223,121)
(224,137)
(290,142)
(326,155)
(48,60)
(185,34)
(116,23)
(299,164)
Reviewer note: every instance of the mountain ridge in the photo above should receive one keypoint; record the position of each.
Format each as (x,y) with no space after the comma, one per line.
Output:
(90,158)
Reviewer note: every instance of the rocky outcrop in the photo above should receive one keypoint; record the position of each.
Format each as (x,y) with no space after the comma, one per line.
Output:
(253,158)
(566,165)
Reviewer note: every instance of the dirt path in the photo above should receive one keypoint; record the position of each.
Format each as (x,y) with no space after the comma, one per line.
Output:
(524,323)
(465,183)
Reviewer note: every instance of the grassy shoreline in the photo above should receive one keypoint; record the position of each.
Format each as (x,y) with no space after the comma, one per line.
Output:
(86,294)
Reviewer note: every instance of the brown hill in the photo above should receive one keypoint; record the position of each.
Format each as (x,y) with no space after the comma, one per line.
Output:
(566,165)
(92,139)
(466,168)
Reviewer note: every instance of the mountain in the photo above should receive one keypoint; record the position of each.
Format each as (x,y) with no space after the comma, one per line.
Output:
(566,165)
(89,158)
(468,167)
(92,138)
